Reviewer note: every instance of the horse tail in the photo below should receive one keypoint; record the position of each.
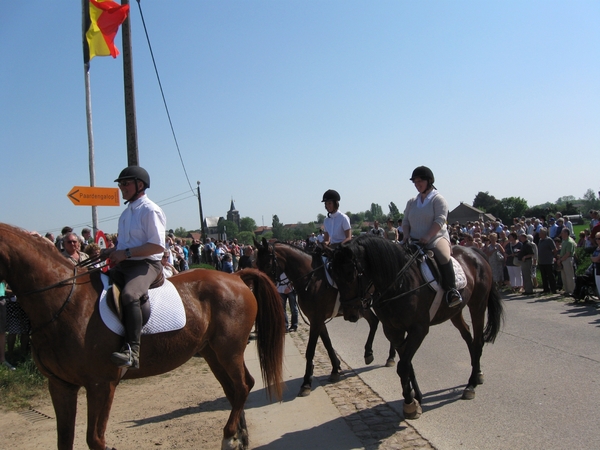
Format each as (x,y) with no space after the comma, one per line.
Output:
(495,316)
(270,329)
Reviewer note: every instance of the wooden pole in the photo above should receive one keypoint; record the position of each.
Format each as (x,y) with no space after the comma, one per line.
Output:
(88,116)
(130,118)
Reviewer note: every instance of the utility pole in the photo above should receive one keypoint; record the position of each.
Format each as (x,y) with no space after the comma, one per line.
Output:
(202,230)
(130,120)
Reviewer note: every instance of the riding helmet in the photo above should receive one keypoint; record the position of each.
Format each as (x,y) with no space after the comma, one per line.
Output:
(330,194)
(134,173)
(424,173)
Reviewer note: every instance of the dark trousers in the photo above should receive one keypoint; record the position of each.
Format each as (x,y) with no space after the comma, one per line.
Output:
(548,278)
(135,277)
(291,297)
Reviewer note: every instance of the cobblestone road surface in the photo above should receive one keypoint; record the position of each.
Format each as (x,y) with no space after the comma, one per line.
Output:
(377,425)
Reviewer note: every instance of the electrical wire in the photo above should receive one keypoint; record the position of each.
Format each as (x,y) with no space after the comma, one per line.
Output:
(163,97)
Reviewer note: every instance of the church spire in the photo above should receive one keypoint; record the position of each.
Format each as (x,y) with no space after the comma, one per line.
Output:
(232,207)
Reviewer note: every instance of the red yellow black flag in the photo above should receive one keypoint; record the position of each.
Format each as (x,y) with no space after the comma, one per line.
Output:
(101,23)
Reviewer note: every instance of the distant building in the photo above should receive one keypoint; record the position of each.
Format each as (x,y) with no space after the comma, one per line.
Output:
(464,213)
(233,215)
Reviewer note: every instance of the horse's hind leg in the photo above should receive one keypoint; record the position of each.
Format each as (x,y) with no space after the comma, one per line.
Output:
(99,399)
(64,399)
(475,348)
(230,370)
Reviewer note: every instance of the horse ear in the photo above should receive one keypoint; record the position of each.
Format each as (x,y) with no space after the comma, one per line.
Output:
(265,243)
(256,244)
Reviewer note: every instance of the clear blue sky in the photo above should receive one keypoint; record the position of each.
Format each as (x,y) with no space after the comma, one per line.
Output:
(274,102)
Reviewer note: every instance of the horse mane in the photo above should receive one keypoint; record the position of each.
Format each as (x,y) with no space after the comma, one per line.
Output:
(36,244)
(383,258)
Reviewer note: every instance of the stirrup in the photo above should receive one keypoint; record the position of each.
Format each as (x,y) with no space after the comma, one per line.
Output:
(125,358)
(453,298)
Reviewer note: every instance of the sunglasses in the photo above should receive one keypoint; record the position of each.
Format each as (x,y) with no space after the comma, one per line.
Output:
(71,242)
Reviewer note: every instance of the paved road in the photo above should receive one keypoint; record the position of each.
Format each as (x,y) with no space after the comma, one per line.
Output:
(542,386)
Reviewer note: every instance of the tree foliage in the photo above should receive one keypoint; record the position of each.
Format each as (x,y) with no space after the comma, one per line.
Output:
(247,224)
(227,227)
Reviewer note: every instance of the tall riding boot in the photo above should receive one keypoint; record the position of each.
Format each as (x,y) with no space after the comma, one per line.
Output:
(129,356)
(453,297)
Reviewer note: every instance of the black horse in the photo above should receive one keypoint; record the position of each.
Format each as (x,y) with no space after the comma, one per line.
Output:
(379,272)
(317,300)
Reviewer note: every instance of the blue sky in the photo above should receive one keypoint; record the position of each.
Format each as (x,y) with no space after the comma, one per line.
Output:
(274,102)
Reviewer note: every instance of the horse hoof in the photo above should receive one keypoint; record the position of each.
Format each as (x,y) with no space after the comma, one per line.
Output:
(480,378)
(304,391)
(468,393)
(334,377)
(412,410)
(390,363)
(232,444)
(369,359)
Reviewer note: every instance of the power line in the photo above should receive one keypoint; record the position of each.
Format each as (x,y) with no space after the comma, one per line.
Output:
(164,99)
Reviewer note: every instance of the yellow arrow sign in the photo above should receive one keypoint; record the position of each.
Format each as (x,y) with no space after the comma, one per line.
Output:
(94,196)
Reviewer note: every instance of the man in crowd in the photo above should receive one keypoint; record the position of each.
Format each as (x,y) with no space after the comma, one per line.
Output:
(72,249)
(567,251)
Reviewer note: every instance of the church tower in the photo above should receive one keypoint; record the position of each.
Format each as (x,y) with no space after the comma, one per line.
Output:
(233,215)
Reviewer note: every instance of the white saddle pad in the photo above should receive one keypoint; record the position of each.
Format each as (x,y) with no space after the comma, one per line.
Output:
(166,310)
(461,282)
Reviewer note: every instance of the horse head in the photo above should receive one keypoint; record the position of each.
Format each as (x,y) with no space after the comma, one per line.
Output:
(266,259)
(347,269)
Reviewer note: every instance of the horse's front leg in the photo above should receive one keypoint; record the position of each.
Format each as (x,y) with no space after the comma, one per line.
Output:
(100,396)
(410,389)
(64,400)
(313,336)
(373,321)
(335,362)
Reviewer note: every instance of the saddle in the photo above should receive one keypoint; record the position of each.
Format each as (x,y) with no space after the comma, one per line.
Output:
(113,298)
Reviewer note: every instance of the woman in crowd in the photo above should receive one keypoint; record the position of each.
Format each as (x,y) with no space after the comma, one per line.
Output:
(495,253)
(512,249)
(391,232)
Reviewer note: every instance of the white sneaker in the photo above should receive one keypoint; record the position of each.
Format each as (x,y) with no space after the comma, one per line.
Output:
(8,365)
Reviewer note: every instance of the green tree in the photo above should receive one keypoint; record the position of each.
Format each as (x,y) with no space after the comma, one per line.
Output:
(485,202)
(228,227)
(511,207)
(394,211)
(278,230)
(180,232)
(245,237)
(320,218)
(247,224)
(356,218)
(590,201)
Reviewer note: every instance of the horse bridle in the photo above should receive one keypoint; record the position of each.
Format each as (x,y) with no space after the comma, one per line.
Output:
(369,299)
(275,266)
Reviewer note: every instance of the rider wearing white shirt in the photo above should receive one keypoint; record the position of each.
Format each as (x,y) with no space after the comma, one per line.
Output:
(337,224)
(140,247)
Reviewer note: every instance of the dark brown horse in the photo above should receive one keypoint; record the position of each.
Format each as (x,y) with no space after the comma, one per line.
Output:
(317,300)
(72,346)
(402,301)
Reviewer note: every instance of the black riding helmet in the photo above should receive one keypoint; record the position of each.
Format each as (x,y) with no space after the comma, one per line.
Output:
(135,173)
(424,173)
(330,194)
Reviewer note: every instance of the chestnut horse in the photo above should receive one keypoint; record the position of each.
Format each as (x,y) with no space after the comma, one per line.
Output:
(402,301)
(71,345)
(317,300)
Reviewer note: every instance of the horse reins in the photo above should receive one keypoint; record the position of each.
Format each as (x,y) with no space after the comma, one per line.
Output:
(60,284)
(378,299)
